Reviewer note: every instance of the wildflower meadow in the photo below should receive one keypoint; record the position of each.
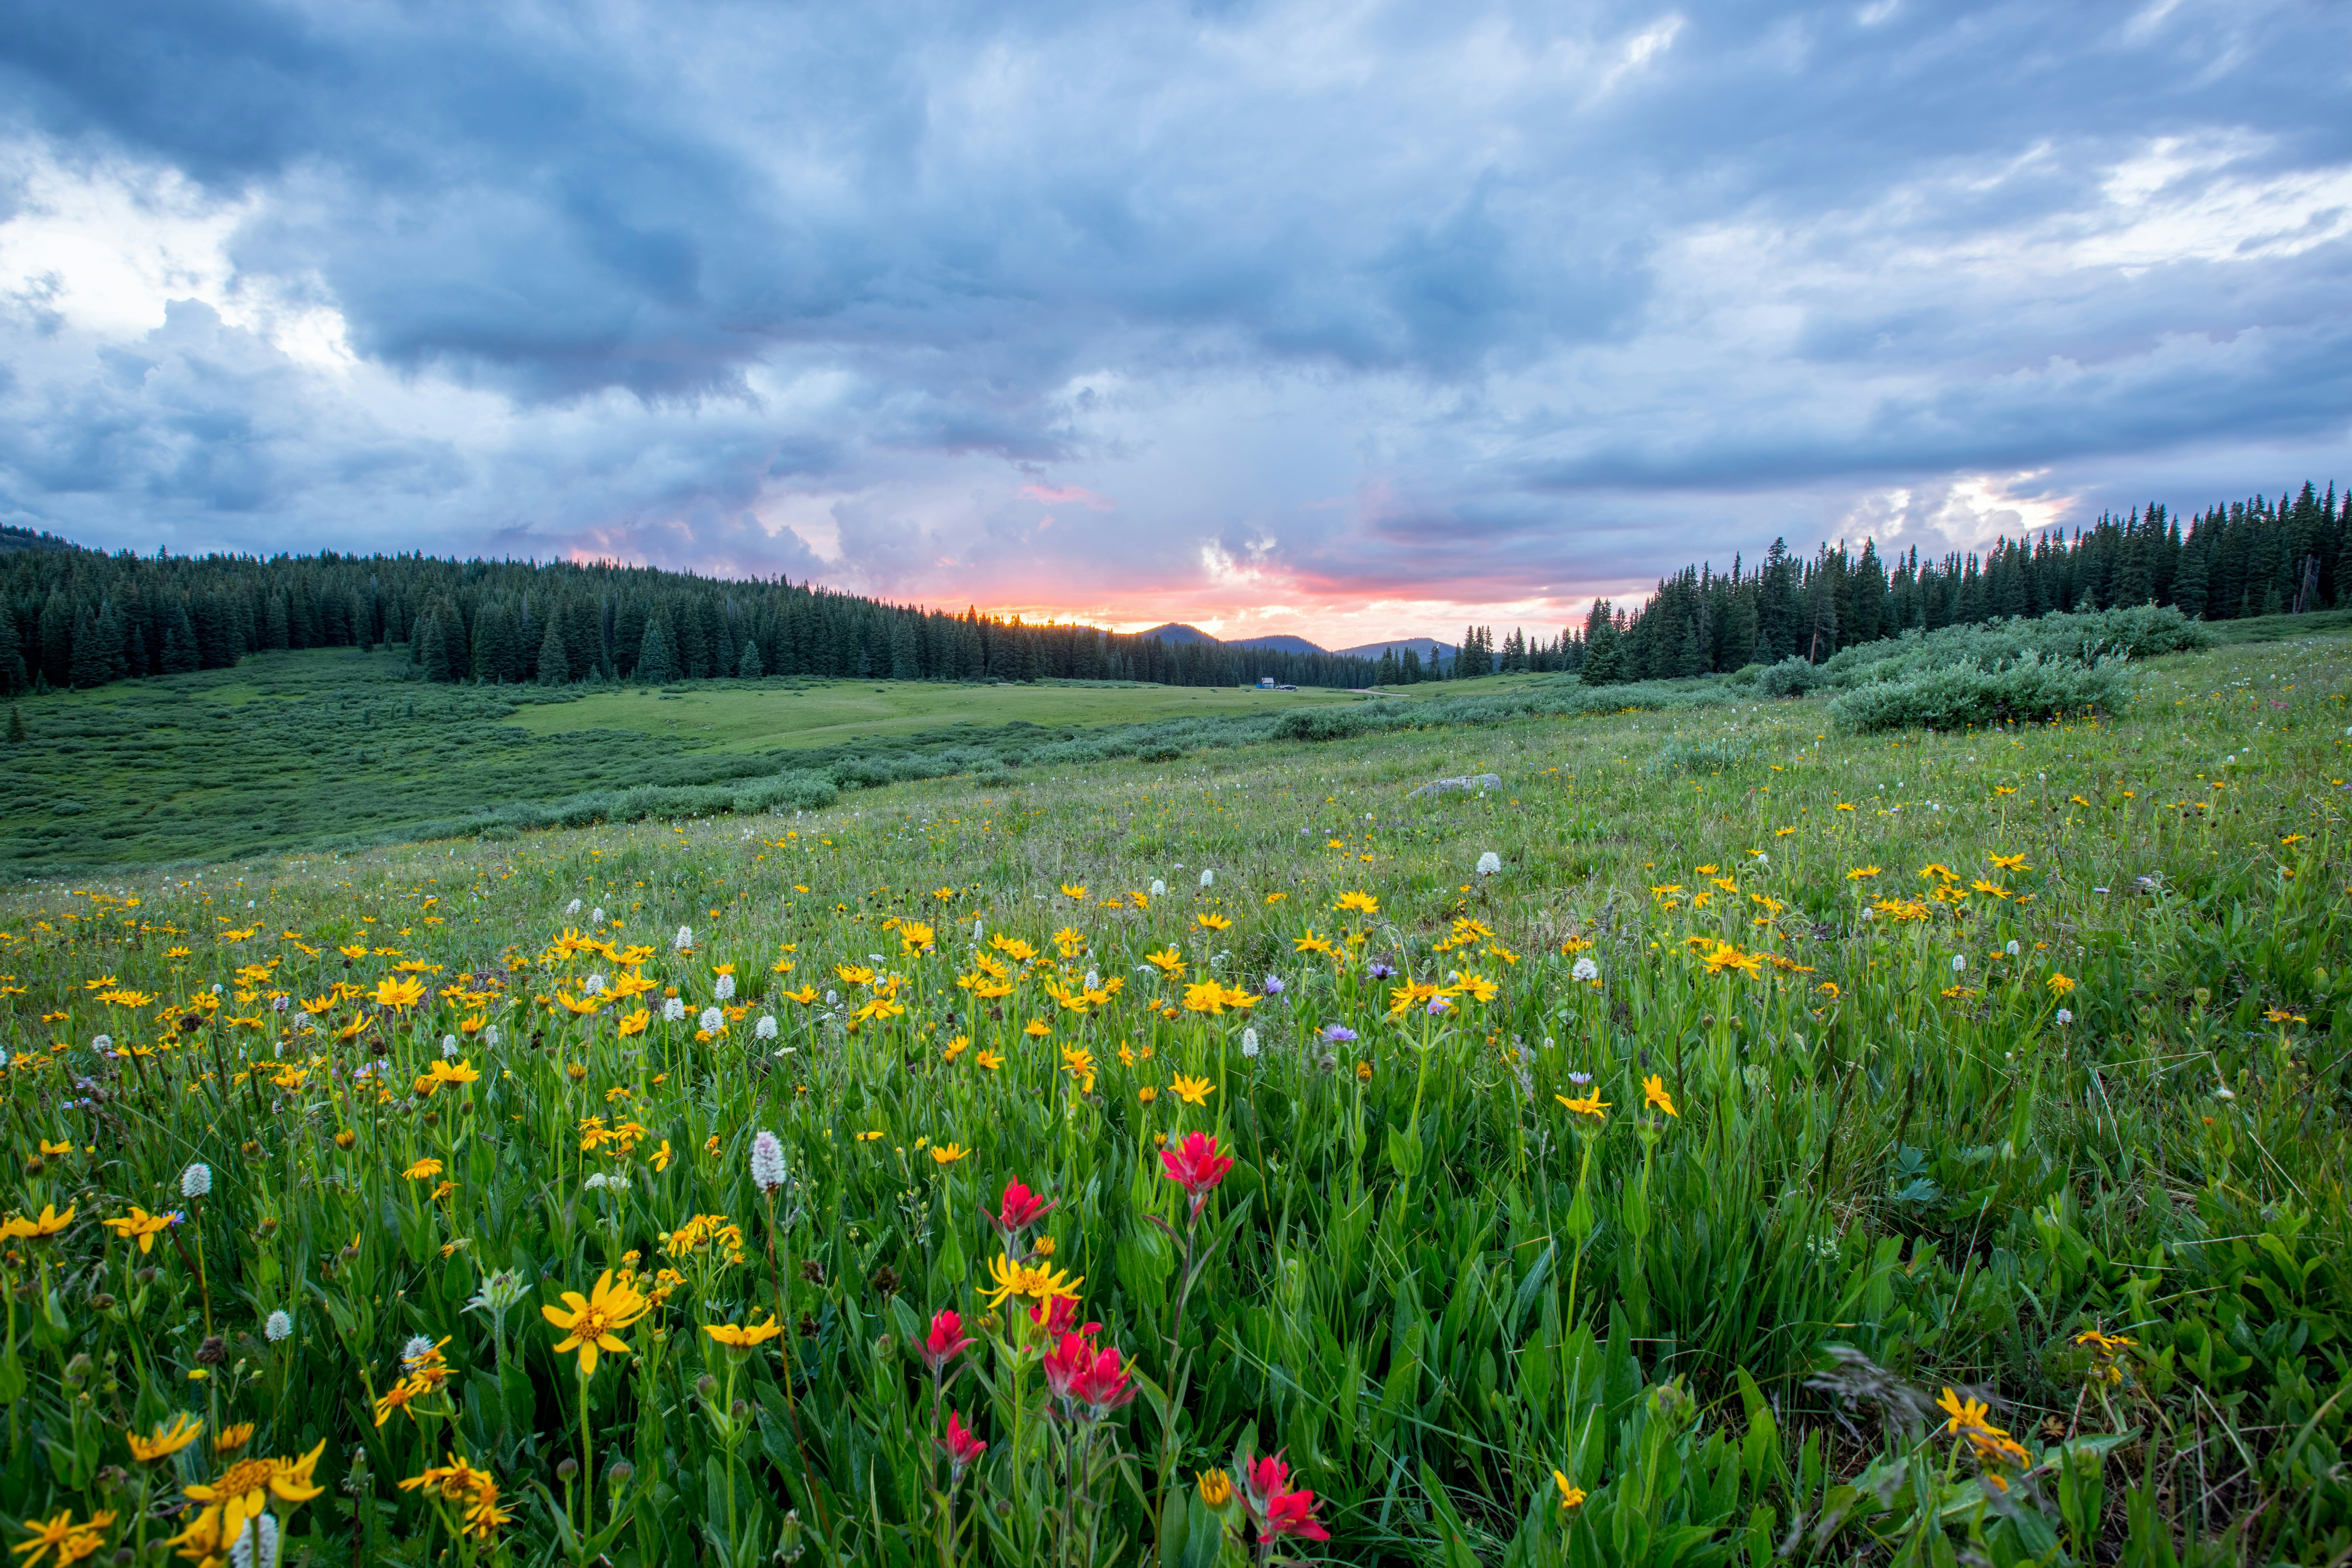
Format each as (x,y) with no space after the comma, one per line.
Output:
(1723,1139)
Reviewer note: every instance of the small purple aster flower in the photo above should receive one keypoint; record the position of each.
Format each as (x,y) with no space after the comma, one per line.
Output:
(1337,1034)
(1381,971)
(1438,1004)
(1274,984)
(1580,1077)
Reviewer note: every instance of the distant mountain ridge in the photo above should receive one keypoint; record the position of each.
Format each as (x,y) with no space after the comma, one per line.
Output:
(1180,632)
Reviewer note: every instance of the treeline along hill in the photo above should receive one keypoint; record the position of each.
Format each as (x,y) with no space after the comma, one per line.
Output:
(76,617)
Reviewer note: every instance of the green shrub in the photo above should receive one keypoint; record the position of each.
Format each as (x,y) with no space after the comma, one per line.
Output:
(1964,694)
(1792,677)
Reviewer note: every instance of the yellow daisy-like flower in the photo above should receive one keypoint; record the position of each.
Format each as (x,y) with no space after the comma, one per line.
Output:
(947,1154)
(745,1338)
(141,1224)
(399,992)
(1592,1105)
(243,1490)
(1568,1496)
(593,1323)
(1192,1090)
(1654,1092)
(423,1171)
(1038,1282)
(167,1439)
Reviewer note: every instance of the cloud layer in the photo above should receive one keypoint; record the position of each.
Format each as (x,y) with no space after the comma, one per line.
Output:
(1353,321)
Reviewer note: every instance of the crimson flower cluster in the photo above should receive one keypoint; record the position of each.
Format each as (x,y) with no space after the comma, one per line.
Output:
(1273,1507)
(1196,1166)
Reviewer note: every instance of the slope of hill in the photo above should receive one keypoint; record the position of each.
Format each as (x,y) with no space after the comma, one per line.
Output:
(1427,647)
(1281,643)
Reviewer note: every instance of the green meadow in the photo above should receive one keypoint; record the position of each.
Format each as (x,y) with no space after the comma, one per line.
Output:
(1730,1141)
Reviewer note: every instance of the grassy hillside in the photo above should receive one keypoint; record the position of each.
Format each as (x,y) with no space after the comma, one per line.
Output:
(1773,1096)
(763,716)
(335,748)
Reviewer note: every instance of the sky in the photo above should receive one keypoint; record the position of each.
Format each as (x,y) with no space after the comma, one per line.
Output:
(1352,321)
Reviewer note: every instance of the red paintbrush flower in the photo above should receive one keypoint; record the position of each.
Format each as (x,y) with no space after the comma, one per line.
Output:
(962,1447)
(1020,1209)
(1279,1510)
(1196,1166)
(1060,1316)
(947,1340)
(1077,1372)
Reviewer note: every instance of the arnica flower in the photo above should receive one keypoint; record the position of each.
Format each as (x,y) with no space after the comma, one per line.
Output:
(1216,1487)
(1967,1415)
(70,1542)
(240,1498)
(167,1439)
(1196,1166)
(1591,1105)
(1654,1092)
(138,1222)
(1192,1090)
(1570,1496)
(741,1341)
(1039,1282)
(593,1322)
(962,1447)
(946,1340)
(2060,984)
(947,1154)
(767,1162)
(1079,1372)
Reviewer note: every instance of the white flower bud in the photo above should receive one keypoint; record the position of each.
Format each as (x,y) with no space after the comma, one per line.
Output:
(278,1326)
(197,1180)
(767,1162)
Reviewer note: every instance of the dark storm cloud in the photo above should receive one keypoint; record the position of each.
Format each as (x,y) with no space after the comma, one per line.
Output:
(1571,289)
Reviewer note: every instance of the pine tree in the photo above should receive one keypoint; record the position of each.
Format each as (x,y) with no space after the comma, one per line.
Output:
(15,723)
(654,668)
(13,676)
(180,656)
(750,667)
(431,656)
(554,666)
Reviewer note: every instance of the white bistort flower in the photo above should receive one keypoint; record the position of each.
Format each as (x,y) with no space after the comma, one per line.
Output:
(1158,889)
(197,1180)
(685,938)
(1960,962)
(1249,1042)
(572,908)
(766,1027)
(490,1036)
(592,985)
(725,988)
(101,1043)
(597,916)
(278,1326)
(767,1161)
(672,1010)
(448,1045)
(1208,879)
(1490,864)
(1585,969)
(712,1020)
